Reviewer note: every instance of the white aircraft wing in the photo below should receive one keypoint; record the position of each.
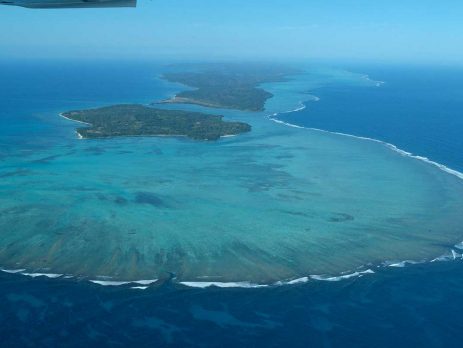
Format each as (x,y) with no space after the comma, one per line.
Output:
(70,3)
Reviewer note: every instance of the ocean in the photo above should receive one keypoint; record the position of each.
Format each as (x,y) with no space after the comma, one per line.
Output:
(51,181)
(416,109)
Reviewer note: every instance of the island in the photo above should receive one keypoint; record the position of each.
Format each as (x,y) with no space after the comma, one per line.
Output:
(140,120)
(232,86)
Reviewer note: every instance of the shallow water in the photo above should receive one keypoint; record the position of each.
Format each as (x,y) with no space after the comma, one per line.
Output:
(279,203)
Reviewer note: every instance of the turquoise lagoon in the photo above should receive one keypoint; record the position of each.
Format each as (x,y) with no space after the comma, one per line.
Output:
(277,204)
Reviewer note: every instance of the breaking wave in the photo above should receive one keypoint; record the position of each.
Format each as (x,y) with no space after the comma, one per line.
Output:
(393,147)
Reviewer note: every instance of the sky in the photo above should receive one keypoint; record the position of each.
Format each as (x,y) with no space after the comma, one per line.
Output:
(374,30)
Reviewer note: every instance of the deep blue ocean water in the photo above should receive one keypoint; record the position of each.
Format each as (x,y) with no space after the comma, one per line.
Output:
(418,110)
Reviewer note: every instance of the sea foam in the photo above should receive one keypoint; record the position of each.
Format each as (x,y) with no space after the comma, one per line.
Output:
(389,145)
(109,282)
(47,275)
(341,277)
(376,83)
(144,283)
(204,285)
(293,282)
(12,271)
(402,264)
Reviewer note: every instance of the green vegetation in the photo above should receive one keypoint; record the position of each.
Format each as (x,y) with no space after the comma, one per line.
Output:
(139,120)
(228,86)
(232,86)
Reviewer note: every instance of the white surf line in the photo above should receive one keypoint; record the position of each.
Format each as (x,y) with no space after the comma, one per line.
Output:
(400,151)
(299,108)
(143,283)
(377,83)
(204,285)
(341,277)
(47,275)
(79,136)
(108,282)
(402,264)
(451,256)
(389,145)
(249,285)
(70,119)
(12,271)
(139,284)
(286,123)
(292,282)
(456,255)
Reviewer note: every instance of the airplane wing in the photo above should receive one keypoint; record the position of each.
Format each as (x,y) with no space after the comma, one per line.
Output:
(70,3)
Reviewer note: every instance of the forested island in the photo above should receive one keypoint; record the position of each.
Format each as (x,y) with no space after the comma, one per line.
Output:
(139,120)
(232,86)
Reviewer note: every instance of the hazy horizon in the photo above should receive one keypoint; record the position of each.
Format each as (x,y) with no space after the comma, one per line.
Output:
(422,32)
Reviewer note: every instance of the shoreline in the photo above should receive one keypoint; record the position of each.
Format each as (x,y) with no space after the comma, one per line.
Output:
(144,284)
(61,114)
(81,137)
